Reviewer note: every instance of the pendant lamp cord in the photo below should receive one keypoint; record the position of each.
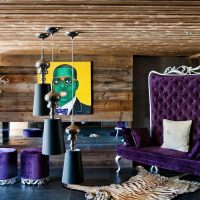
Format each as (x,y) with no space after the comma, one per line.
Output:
(42,57)
(72,115)
(52,46)
(43,69)
(52,54)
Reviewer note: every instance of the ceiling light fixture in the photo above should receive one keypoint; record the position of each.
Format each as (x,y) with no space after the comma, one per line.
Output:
(73,168)
(39,103)
(53,134)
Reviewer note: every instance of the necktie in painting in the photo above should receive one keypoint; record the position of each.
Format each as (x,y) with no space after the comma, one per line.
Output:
(60,111)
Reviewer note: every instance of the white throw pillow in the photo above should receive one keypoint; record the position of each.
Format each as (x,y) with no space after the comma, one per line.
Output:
(176,135)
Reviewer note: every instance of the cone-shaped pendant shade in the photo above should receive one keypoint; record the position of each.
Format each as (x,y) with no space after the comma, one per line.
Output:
(39,103)
(73,168)
(53,137)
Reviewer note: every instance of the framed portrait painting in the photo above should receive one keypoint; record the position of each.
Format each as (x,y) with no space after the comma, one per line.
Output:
(73,83)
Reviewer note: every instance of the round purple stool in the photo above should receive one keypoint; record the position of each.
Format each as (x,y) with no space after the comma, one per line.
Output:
(32,132)
(8,166)
(34,166)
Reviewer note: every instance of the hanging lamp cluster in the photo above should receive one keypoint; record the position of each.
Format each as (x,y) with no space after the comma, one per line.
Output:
(46,98)
(45,103)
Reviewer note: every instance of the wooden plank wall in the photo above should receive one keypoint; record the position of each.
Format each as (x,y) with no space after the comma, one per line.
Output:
(112,87)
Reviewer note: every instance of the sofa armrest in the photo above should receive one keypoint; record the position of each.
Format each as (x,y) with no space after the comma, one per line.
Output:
(195,149)
(128,139)
(138,137)
(141,137)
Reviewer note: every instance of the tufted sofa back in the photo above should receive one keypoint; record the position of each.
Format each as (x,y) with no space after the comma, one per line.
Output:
(174,97)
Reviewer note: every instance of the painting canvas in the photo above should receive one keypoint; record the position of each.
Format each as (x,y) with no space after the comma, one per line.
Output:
(73,83)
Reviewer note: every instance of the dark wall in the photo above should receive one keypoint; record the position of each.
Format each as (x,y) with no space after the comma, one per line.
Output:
(142,65)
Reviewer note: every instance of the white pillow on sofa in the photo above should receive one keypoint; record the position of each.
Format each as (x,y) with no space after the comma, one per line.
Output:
(176,135)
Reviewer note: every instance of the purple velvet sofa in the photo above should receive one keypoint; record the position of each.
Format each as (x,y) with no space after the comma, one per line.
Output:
(174,95)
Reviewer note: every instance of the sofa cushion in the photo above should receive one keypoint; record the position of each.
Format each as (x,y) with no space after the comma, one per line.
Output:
(176,135)
(163,158)
(128,139)
(141,137)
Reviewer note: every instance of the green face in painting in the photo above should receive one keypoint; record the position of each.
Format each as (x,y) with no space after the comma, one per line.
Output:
(62,83)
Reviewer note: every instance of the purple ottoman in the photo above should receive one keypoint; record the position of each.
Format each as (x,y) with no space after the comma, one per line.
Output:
(8,166)
(34,166)
(32,132)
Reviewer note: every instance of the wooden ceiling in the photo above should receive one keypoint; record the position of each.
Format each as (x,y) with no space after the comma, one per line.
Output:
(106,26)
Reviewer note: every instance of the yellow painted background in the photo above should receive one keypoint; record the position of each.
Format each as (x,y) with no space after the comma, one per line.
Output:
(83,69)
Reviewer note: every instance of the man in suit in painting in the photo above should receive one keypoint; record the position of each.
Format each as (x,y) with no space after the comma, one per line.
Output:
(63,77)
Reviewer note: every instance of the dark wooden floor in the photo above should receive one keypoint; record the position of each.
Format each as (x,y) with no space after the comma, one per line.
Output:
(93,177)
(98,160)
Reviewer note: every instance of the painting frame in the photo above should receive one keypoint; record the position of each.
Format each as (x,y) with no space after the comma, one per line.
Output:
(73,82)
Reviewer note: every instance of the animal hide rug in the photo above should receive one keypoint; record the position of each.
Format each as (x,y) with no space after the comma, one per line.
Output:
(143,186)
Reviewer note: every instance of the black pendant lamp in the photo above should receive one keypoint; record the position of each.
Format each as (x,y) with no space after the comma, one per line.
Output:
(73,168)
(53,134)
(39,103)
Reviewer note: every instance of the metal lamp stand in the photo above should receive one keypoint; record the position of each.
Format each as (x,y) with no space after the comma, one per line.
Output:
(73,168)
